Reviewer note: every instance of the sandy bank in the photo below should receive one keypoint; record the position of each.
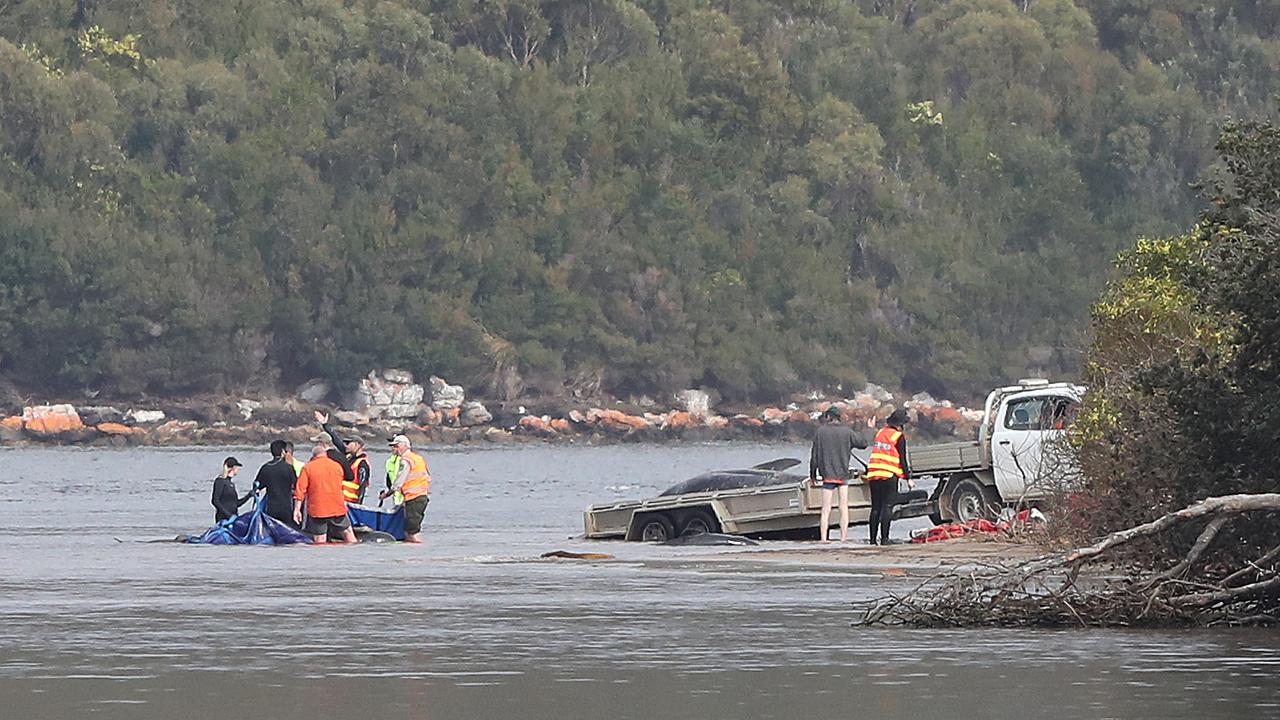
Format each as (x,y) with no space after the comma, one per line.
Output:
(906,559)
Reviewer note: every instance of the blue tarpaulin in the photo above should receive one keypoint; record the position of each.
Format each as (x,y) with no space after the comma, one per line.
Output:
(252,528)
(391,522)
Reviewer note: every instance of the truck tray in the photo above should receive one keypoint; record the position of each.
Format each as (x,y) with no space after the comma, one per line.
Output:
(946,458)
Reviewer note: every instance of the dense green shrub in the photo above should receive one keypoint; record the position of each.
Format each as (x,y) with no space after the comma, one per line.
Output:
(759,196)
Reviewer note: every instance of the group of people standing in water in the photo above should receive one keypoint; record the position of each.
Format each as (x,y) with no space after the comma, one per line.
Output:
(313,496)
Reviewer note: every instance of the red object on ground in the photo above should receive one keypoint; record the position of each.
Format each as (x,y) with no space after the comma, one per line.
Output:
(951,531)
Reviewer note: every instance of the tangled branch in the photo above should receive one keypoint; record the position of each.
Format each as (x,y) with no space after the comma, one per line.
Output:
(1089,587)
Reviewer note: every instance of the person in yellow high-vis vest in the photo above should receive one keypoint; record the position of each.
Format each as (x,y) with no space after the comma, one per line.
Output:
(393,472)
(413,481)
(888,465)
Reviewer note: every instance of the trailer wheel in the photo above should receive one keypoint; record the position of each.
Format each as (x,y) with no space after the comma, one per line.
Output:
(971,500)
(699,522)
(656,528)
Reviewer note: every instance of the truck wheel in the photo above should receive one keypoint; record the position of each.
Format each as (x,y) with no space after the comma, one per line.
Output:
(971,500)
(699,522)
(656,528)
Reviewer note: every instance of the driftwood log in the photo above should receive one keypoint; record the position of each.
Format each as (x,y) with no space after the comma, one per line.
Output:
(1087,587)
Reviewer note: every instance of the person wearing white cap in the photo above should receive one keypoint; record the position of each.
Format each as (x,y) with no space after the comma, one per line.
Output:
(413,481)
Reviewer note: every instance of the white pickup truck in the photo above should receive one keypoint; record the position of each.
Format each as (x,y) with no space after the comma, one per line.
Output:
(1020,455)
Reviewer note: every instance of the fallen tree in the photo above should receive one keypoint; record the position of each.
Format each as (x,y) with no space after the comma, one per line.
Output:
(1100,586)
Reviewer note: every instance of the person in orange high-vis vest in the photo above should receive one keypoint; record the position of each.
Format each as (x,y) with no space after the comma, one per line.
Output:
(888,464)
(413,482)
(354,487)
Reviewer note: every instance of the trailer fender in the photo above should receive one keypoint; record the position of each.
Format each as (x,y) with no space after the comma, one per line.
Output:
(697,519)
(651,526)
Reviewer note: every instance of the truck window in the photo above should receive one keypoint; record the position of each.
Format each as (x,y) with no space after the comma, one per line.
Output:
(1064,413)
(1042,413)
(1024,414)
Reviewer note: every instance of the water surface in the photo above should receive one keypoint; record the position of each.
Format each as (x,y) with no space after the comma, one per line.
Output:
(472,626)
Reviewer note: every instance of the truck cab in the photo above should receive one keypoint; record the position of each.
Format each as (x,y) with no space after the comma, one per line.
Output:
(1020,455)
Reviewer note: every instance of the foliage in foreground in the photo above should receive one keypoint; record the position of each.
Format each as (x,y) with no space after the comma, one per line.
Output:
(637,195)
(1184,371)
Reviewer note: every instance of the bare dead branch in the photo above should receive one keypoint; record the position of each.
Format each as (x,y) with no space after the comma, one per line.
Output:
(1055,590)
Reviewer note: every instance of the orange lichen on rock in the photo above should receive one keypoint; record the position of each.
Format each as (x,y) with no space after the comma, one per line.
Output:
(678,420)
(619,421)
(50,419)
(111,428)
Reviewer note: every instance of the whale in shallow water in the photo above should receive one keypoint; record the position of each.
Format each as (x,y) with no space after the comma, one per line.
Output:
(770,473)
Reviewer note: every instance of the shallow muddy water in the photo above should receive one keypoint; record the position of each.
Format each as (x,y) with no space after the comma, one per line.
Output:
(472,626)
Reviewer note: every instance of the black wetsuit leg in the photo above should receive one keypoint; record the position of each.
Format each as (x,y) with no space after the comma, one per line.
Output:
(883,493)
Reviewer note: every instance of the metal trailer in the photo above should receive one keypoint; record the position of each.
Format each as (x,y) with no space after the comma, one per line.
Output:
(788,509)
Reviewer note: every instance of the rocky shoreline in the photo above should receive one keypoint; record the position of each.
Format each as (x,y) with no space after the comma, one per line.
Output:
(387,402)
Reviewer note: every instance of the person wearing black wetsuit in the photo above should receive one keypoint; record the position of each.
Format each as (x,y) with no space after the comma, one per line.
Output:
(277,478)
(226,503)
(888,465)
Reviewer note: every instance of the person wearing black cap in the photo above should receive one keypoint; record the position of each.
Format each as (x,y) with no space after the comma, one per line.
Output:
(226,503)
(833,445)
(888,465)
(353,489)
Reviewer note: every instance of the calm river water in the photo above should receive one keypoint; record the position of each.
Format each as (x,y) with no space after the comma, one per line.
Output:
(472,626)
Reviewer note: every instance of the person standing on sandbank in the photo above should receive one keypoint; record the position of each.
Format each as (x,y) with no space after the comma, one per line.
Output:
(833,446)
(888,465)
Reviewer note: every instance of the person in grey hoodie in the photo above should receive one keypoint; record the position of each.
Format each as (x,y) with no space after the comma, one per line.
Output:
(833,446)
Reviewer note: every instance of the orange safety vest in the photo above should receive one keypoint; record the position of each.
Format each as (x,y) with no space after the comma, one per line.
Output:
(418,482)
(885,461)
(351,488)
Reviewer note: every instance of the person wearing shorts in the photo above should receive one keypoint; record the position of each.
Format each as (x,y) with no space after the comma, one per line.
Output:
(326,527)
(833,445)
(320,488)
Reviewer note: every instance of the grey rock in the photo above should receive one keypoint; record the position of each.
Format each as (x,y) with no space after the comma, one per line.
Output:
(349,417)
(695,402)
(97,414)
(445,396)
(411,394)
(474,413)
(880,394)
(247,407)
(923,399)
(403,377)
(144,417)
(399,410)
(376,395)
(313,391)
